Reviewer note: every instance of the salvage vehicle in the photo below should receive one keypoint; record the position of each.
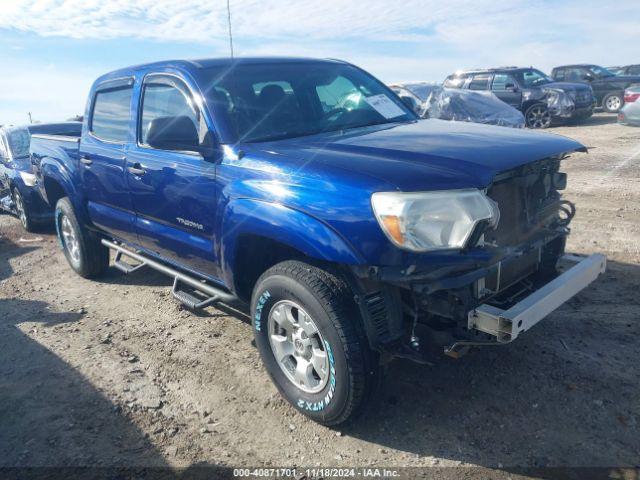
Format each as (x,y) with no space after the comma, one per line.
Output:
(608,88)
(537,96)
(409,98)
(630,113)
(307,189)
(471,106)
(458,105)
(18,194)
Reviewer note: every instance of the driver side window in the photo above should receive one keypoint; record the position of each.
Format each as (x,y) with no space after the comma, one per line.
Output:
(167,104)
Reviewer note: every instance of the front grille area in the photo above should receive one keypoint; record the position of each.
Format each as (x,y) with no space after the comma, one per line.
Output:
(528,200)
(582,98)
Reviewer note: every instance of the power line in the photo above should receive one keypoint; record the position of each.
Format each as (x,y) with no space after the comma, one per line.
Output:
(229,23)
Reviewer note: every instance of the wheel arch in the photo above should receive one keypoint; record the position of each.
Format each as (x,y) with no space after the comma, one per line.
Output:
(273,233)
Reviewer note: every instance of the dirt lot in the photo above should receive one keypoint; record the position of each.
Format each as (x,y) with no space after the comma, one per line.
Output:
(115,372)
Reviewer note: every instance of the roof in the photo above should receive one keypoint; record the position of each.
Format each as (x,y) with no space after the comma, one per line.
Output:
(577,65)
(492,70)
(206,63)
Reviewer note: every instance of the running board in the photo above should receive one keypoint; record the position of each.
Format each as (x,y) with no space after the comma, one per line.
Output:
(186,298)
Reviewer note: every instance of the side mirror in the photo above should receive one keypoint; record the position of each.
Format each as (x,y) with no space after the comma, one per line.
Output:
(588,77)
(173,133)
(511,87)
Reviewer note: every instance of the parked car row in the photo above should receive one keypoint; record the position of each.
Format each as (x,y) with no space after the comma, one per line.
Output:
(570,93)
(309,192)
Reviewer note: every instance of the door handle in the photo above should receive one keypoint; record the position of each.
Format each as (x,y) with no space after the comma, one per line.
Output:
(136,169)
(86,160)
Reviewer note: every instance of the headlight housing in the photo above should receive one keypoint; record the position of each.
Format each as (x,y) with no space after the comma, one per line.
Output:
(29,179)
(439,220)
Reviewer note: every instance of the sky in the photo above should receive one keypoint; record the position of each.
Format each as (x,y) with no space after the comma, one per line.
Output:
(52,50)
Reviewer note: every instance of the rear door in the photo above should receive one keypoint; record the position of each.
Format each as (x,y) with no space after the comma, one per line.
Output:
(504,87)
(102,159)
(173,192)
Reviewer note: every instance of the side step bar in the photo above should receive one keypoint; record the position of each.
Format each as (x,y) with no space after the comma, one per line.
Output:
(186,298)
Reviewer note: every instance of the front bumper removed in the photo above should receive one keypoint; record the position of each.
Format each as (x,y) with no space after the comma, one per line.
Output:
(506,325)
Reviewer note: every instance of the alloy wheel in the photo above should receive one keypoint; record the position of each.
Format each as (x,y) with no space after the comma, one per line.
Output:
(613,103)
(71,242)
(538,117)
(298,346)
(20,210)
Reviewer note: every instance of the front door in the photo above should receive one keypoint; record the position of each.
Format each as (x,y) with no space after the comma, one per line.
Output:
(102,160)
(506,89)
(173,192)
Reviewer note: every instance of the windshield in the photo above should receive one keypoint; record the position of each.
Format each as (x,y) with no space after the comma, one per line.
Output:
(600,71)
(18,140)
(261,102)
(532,78)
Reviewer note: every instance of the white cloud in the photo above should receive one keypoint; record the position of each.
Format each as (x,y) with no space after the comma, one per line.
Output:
(401,40)
(51,95)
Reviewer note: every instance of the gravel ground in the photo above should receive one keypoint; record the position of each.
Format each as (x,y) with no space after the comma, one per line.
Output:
(116,373)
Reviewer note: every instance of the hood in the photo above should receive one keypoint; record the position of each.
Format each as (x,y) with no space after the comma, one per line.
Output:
(423,155)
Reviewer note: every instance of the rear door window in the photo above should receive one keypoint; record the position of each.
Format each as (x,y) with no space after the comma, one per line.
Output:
(480,82)
(111,114)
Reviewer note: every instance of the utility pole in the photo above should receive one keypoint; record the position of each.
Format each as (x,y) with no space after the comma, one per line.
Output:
(30,119)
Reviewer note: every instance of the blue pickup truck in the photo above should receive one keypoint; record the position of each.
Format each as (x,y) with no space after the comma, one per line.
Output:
(306,190)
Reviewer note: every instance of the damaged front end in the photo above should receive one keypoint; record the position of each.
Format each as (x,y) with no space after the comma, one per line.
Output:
(462,302)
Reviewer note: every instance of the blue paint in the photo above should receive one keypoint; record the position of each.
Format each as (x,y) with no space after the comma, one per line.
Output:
(311,193)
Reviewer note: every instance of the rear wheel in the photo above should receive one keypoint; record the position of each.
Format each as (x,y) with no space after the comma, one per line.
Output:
(612,103)
(538,116)
(310,337)
(82,247)
(22,210)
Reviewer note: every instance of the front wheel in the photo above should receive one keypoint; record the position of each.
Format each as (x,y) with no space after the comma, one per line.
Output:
(538,116)
(22,210)
(312,343)
(612,103)
(82,247)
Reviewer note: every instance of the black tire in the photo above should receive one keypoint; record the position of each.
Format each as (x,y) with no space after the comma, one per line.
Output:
(538,116)
(84,252)
(612,102)
(22,210)
(353,371)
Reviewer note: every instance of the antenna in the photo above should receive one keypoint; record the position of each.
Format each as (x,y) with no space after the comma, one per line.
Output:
(229,23)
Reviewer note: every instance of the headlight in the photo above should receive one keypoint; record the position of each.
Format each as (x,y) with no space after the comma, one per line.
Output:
(432,220)
(29,179)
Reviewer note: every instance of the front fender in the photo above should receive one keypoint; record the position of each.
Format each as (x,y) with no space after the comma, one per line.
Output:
(282,224)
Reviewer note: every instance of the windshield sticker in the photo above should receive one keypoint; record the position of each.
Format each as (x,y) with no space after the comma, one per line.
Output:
(384,106)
